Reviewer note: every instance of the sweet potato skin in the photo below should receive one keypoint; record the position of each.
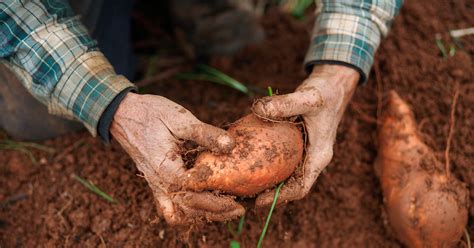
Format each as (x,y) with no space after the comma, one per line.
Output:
(265,154)
(425,208)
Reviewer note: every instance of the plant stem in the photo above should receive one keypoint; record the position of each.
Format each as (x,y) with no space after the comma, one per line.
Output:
(241,225)
(269,217)
(207,73)
(23,147)
(270,91)
(440,44)
(94,189)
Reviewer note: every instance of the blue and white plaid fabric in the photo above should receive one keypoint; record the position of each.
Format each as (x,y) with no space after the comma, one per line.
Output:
(57,60)
(350,31)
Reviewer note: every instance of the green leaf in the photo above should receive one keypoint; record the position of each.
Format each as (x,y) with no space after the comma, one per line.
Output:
(452,50)
(301,7)
(207,73)
(269,217)
(224,78)
(270,91)
(234,244)
(24,147)
(230,228)
(241,225)
(440,44)
(88,184)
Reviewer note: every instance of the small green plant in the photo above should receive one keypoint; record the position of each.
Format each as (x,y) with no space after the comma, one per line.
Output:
(270,91)
(295,7)
(277,192)
(96,190)
(440,45)
(452,50)
(269,216)
(442,48)
(24,147)
(207,73)
(236,233)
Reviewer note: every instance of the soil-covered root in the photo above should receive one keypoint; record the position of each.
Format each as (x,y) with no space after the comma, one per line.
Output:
(265,154)
(425,207)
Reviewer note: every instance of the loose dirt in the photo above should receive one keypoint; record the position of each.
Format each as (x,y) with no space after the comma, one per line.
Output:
(41,204)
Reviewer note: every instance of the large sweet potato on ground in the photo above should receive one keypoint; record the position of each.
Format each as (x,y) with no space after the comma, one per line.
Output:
(425,207)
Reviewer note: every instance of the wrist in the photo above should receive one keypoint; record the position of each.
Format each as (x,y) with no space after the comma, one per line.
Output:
(105,121)
(339,75)
(128,110)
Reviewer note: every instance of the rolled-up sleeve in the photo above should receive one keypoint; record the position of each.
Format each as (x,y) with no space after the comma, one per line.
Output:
(59,62)
(349,32)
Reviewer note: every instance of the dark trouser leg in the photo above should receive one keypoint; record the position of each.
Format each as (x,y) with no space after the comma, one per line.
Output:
(24,117)
(109,22)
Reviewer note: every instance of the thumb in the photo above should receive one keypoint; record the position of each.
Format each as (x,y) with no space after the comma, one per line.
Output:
(183,124)
(297,103)
(216,139)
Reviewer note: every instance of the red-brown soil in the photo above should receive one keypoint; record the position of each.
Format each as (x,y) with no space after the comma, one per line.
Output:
(42,205)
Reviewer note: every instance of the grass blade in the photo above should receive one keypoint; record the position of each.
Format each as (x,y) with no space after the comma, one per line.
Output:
(214,79)
(234,243)
(199,76)
(295,7)
(270,91)
(230,228)
(224,78)
(88,184)
(32,145)
(23,147)
(269,217)
(241,225)
(440,45)
(452,50)
(301,7)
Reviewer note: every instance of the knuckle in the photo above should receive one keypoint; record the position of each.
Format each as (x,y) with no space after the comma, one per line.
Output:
(327,155)
(269,109)
(265,106)
(304,191)
(259,104)
(324,157)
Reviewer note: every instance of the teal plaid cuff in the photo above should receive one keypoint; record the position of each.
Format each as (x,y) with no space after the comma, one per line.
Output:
(89,86)
(350,32)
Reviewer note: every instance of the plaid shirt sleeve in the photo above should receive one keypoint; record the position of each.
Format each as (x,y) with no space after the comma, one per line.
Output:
(349,32)
(57,60)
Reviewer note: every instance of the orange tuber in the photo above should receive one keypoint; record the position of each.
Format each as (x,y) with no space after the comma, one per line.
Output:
(426,207)
(265,154)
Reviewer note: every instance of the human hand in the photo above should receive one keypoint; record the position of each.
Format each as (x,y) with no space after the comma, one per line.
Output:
(149,128)
(321,100)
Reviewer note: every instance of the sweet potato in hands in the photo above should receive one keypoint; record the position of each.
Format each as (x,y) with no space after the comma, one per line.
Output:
(265,154)
(425,207)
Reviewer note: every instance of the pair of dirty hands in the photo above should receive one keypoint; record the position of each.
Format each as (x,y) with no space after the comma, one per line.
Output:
(150,128)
